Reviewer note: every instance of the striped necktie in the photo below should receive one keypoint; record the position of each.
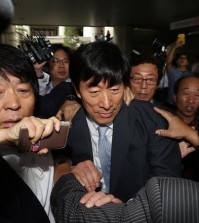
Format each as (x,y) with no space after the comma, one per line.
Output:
(104,148)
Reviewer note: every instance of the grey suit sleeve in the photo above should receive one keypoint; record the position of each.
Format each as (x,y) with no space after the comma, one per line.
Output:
(162,200)
(173,200)
(66,206)
(180,200)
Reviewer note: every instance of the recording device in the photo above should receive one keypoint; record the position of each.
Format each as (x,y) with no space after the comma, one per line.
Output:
(158,50)
(181,38)
(57,140)
(37,48)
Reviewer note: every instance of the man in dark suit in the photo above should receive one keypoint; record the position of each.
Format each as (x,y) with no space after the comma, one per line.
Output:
(18,203)
(99,73)
(162,200)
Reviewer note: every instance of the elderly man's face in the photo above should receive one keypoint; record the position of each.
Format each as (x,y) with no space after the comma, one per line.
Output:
(17,101)
(187,99)
(143,81)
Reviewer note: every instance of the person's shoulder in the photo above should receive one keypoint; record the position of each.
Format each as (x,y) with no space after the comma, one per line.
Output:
(64,84)
(173,69)
(144,110)
(140,104)
(79,116)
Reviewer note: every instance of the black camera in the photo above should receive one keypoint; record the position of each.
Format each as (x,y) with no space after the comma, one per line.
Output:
(37,48)
(159,48)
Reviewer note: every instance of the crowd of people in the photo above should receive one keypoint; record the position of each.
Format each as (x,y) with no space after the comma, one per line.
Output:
(128,157)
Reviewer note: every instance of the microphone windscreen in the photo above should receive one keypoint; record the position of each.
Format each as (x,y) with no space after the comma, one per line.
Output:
(6,14)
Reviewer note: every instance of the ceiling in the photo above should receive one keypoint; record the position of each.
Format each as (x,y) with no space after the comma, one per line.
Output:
(156,14)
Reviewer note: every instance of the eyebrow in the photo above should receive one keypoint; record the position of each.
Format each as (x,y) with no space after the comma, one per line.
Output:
(141,74)
(186,88)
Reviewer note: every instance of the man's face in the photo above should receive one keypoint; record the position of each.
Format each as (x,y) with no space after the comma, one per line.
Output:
(101,102)
(17,101)
(143,81)
(182,61)
(187,98)
(59,66)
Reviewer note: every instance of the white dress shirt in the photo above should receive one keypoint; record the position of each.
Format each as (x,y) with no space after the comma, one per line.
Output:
(93,128)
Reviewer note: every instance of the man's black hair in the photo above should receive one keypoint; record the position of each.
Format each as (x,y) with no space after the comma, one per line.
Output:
(58,46)
(147,58)
(100,61)
(16,63)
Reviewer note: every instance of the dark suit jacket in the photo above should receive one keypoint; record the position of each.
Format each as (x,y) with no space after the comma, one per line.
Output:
(18,204)
(137,153)
(162,200)
(49,104)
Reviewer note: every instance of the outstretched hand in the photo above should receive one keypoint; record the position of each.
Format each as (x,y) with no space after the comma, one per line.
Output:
(39,68)
(177,128)
(68,110)
(98,199)
(185,148)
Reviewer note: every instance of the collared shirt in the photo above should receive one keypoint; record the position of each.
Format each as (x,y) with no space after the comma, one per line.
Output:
(37,172)
(93,128)
(45,85)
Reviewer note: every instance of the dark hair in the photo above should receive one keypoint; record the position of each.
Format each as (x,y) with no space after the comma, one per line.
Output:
(16,63)
(147,58)
(100,61)
(178,82)
(177,56)
(58,46)
(182,54)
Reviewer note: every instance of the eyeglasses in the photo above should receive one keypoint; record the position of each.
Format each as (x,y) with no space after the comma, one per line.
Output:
(59,61)
(138,80)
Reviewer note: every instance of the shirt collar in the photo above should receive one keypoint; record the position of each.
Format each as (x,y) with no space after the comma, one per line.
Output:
(96,125)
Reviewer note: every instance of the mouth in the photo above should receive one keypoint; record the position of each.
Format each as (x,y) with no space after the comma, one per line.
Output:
(141,96)
(62,72)
(9,123)
(189,109)
(105,114)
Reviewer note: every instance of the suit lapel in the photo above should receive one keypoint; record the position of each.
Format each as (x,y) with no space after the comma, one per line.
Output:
(120,145)
(80,137)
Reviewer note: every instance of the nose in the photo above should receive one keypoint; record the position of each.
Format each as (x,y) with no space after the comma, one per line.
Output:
(12,101)
(105,101)
(144,83)
(61,63)
(191,99)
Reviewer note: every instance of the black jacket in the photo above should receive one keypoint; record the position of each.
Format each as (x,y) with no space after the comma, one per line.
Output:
(137,152)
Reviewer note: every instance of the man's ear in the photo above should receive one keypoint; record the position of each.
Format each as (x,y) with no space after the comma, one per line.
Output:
(77,91)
